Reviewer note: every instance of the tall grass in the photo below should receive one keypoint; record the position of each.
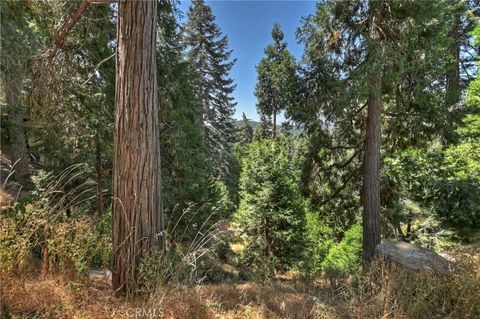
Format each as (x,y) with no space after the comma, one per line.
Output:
(54,226)
(389,290)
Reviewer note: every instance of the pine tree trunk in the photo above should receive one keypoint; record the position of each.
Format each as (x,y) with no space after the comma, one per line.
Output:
(98,156)
(137,212)
(274,125)
(371,174)
(453,88)
(18,140)
(371,163)
(409,225)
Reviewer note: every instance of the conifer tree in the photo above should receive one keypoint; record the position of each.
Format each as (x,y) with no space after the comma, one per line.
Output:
(185,165)
(208,51)
(276,79)
(17,40)
(271,215)
(371,90)
(263,128)
(244,131)
(138,225)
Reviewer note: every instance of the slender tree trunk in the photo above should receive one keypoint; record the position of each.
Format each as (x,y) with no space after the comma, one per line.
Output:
(371,163)
(453,88)
(274,125)
(371,174)
(98,155)
(137,211)
(18,140)
(409,225)
(398,227)
(266,239)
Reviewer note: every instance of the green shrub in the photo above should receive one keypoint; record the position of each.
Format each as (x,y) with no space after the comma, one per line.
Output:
(345,258)
(31,234)
(77,243)
(319,241)
(16,254)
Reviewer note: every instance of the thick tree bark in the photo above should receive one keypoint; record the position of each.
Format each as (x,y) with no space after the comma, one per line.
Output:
(18,140)
(137,211)
(371,174)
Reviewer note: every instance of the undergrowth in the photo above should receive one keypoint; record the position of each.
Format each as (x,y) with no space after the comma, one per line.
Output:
(389,290)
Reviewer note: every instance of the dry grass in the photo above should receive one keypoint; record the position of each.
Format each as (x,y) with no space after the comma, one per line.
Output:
(57,297)
(278,300)
(391,291)
(6,198)
(387,291)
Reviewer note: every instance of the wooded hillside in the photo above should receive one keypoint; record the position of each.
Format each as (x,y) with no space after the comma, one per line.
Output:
(128,183)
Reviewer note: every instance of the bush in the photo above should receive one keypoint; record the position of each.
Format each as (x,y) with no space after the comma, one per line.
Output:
(30,234)
(77,243)
(345,258)
(319,241)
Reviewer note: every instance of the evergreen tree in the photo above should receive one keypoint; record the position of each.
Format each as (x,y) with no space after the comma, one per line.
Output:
(185,165)
(276,79)
(369,65)
(271,216)
(208,51)
(19,44)
(244,131)
(263,128)
(72,95)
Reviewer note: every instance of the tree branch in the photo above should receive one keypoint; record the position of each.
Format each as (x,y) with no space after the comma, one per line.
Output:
(61,34)
(97,67)
(340,189)
(344,164)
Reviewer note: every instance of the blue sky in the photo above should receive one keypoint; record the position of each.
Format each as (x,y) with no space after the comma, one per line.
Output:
(248,25)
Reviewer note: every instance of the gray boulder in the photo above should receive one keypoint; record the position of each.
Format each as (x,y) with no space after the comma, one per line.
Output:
(413,257)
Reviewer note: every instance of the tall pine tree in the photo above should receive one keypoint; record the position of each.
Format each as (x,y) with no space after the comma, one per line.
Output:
(208,50)
(374,69)
(185,164)
(276,79)
(244,131)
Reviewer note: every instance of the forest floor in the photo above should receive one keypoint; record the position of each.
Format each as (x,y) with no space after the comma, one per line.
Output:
(387,291)
(59,297)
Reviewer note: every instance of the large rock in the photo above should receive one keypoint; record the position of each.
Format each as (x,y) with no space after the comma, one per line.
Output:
(413,257)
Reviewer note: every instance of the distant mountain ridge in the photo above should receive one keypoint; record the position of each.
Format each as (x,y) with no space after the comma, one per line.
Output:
(253,124)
